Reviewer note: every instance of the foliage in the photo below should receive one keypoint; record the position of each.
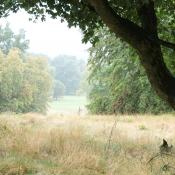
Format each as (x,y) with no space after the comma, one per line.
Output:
(80,13)
(69,71)
(119,83)
(24,85)
(10,40)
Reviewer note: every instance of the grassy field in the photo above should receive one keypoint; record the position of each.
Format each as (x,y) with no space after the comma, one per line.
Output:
(33,144)
(68,105)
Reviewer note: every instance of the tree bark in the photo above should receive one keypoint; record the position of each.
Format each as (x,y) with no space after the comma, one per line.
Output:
(158,74)
(146,42)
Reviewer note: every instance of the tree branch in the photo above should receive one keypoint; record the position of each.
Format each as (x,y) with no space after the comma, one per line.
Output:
(147,15)
(123,28)
(166,44)
(126,29)
(148,19)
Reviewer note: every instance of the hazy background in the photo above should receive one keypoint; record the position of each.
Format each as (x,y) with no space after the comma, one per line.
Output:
(65,41)
(67,58)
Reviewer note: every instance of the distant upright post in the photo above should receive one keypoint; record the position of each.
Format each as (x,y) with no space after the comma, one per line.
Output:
(79,111)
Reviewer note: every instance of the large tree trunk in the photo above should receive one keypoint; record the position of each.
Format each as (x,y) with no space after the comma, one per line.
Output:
(158,74)
(146,42)
(151,55)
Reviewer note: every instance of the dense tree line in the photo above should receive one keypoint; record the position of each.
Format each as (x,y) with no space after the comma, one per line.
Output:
(25,84)
(25,80)
(118,83)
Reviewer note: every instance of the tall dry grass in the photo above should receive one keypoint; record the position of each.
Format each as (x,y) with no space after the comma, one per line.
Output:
(32,144)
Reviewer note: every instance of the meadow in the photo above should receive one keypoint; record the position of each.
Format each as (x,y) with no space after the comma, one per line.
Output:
(68,105)
(34,144)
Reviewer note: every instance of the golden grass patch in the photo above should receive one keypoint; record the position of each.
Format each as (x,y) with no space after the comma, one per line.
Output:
(58,145)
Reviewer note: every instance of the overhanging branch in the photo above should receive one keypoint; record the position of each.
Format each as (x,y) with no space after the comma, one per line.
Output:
(122,27)
(126,29)
(167,44)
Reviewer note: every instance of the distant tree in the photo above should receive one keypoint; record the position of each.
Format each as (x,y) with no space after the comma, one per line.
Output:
(84,87)
(69,71)
(59,89)
(8,39)
(25,86)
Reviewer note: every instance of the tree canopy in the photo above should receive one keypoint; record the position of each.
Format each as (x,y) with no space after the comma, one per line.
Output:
(59,89)
(146,25)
